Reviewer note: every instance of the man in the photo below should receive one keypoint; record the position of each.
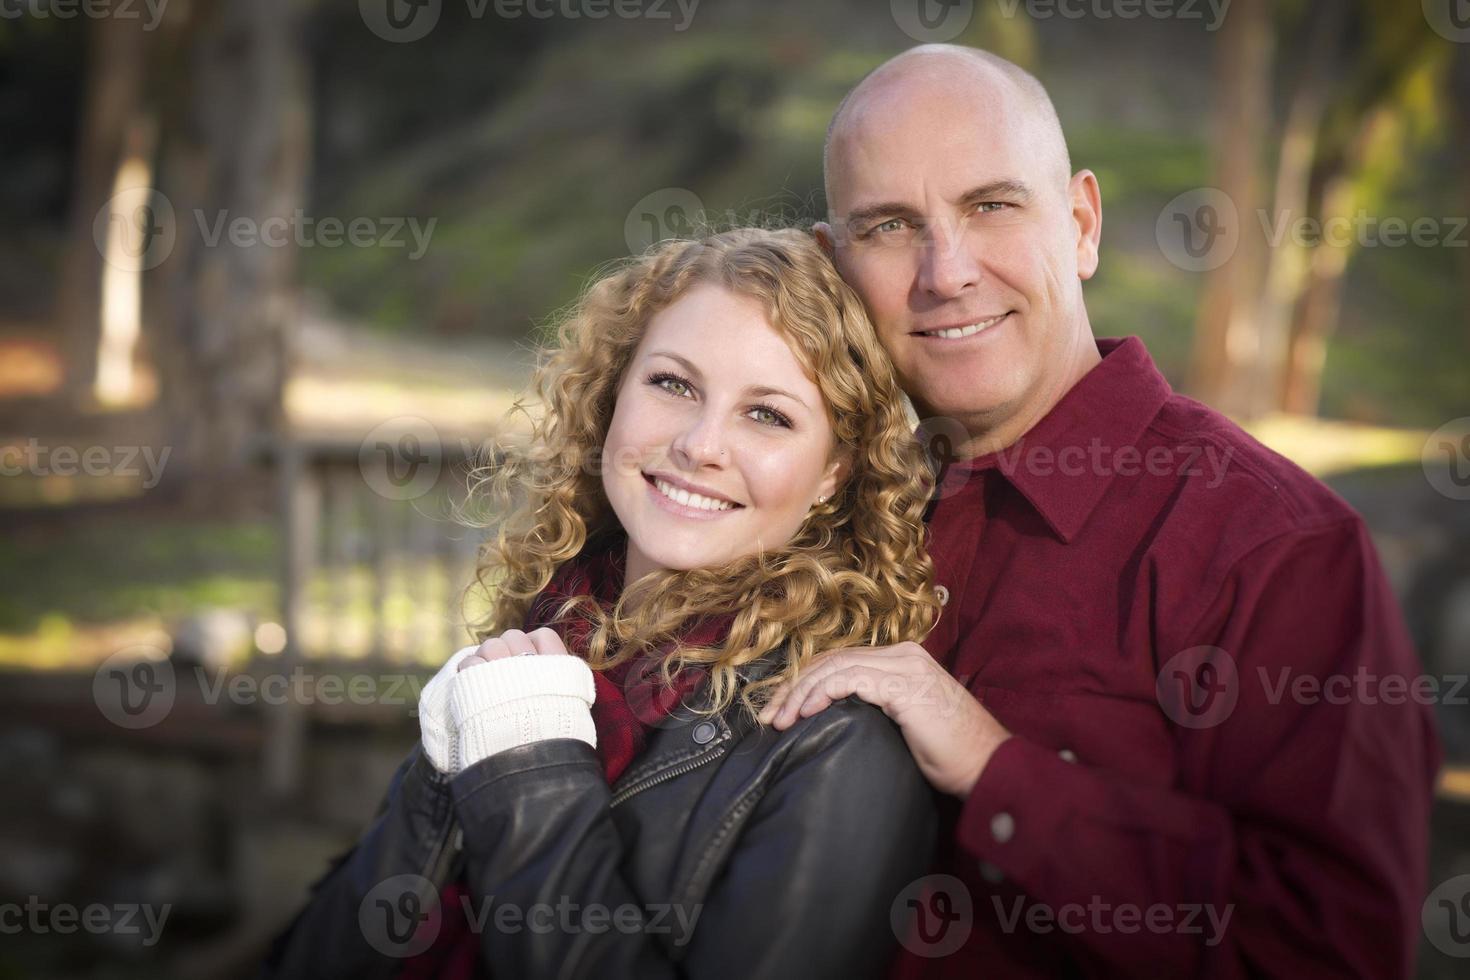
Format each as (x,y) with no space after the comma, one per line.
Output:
(1167,693)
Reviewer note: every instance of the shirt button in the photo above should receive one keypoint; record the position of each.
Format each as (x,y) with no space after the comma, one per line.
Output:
(1002,827)
(1068,755)
(704,731)
(991,873)
(943,594)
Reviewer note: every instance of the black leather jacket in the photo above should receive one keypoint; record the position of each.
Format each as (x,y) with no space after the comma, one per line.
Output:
(724,850)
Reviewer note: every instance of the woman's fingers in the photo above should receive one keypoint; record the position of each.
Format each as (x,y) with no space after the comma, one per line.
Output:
(517,642)
(513,643)
(546,641)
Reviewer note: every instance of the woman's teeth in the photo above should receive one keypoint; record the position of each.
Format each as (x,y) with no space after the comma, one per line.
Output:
(698,502)
(958,332)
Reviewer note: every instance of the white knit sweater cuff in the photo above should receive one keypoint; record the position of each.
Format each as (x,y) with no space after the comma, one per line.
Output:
(517,700)
(437,733)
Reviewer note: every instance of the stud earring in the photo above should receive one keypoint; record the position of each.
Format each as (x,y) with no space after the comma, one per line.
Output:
(821,500)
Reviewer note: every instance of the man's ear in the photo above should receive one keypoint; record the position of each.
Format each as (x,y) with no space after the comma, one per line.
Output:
(1086,200)
(825,239)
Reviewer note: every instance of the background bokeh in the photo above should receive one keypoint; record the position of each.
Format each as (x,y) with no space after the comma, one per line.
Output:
(272,273)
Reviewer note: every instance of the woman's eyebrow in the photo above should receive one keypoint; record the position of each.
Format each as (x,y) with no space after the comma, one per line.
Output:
(761,391)
(687,364)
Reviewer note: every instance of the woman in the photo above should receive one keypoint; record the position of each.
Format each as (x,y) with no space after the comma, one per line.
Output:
(723,484)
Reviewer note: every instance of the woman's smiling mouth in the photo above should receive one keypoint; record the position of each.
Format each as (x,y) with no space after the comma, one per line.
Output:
(687,503)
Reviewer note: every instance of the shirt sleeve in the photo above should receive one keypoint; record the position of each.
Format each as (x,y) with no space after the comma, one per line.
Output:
(1294,840)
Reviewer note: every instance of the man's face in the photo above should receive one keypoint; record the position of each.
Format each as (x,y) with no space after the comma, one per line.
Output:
(961,237)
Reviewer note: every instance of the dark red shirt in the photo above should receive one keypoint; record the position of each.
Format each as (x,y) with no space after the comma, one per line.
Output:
(1223,758)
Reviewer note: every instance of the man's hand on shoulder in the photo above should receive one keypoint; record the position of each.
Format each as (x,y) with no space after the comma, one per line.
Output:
(949,732)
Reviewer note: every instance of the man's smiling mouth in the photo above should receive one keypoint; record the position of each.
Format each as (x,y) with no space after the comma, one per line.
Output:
(967,330)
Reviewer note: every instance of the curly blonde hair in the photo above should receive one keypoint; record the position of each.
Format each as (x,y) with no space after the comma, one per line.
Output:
(856,571)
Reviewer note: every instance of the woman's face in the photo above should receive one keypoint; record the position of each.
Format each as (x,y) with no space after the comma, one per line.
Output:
(719,443)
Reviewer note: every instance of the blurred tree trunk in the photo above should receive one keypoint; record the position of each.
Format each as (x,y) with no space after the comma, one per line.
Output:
(1290,261)
(238,149)
(1362,153)
(111,116)
(1226,338)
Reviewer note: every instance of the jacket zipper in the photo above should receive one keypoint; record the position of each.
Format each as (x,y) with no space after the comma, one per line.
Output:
(667,774)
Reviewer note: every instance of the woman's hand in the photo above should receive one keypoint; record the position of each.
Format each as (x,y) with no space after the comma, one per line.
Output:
(514,643)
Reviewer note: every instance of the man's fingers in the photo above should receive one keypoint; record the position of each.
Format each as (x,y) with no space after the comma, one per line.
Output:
(868,683)
(829,665)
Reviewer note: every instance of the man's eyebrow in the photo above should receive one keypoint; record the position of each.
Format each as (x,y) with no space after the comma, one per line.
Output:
(887,210)
(1014,190)
(755,391)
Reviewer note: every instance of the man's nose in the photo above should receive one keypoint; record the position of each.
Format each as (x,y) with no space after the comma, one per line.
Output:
(947,267)
(703,442)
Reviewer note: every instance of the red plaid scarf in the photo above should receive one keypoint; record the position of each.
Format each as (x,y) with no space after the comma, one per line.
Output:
(631,701)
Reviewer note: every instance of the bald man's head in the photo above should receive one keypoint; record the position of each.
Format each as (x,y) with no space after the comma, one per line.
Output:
(950,71)
(954,214)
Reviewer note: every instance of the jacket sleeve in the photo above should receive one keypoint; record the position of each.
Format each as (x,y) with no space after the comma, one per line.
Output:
(340,933)
(841,828)
(1295,839)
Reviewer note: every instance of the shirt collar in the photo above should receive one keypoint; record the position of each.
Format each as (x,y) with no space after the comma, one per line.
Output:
(1064,463)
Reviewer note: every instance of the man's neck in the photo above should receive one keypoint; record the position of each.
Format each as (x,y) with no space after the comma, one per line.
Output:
(1006,426)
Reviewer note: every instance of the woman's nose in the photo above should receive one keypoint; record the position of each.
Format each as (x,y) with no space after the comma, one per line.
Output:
(702,443)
